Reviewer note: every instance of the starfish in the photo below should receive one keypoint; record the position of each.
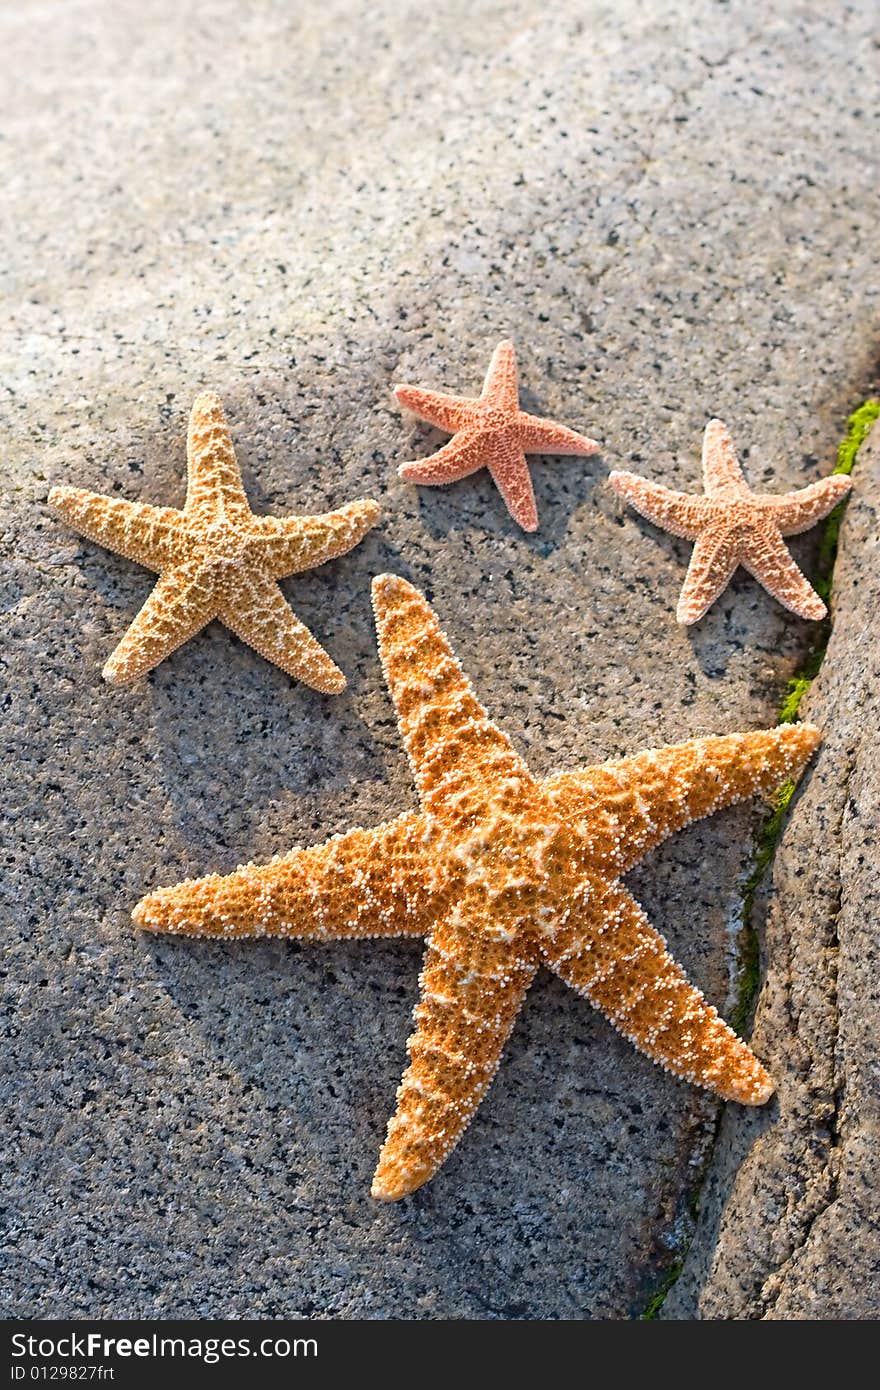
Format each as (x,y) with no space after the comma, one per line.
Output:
(733,526)
(216,559)
(489,432)
(501,873)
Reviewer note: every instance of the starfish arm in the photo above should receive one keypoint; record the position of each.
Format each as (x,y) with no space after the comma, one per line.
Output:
(182,602)
(368,883)
(799,511)
(675,512)
(768,559)
(257,612)
(454,748)
(214,489)
(538,436)
(716,555)
(148,535)
(293,544)
(500,388)
(461,456)
(620,964)
(510,472)
(471,987)
(721,470)
(450,413)
(631,806)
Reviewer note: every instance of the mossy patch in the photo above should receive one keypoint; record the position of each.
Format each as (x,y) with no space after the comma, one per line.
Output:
(857,429)
(658,1297)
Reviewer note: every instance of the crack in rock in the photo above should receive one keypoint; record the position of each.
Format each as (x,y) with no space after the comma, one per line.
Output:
(786,1228)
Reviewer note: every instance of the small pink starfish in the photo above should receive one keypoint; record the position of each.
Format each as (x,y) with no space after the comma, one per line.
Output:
(732,526)
(489,432)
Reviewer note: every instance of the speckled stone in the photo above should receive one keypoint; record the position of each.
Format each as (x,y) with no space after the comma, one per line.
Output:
(789,1226)
(672,210)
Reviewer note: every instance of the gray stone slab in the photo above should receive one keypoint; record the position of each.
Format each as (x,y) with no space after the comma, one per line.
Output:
(789,1226)
(672,210)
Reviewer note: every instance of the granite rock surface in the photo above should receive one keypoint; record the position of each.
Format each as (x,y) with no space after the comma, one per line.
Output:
(672,209)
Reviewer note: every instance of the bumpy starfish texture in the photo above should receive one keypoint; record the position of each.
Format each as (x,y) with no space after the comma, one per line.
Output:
(489,432)
(216,559)
(501,873)
(732,526)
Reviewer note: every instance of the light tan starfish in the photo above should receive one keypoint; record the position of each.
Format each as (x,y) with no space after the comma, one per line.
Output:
(733,526)
(216,559)
(501,873)
(490,432)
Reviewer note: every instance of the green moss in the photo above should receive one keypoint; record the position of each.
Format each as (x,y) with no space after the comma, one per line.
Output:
(857,428)
(658,1297)
(797,689)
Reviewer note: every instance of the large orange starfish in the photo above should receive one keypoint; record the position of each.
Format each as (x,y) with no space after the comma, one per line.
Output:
(489,432)
(501,873)
(216,559)
(733,526)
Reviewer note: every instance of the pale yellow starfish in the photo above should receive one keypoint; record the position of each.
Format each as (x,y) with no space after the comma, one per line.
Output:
(216,559)
(501,873)
(733,526)
(489,431)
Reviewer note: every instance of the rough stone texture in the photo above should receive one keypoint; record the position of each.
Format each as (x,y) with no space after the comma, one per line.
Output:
(672,209)
(789,1226)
